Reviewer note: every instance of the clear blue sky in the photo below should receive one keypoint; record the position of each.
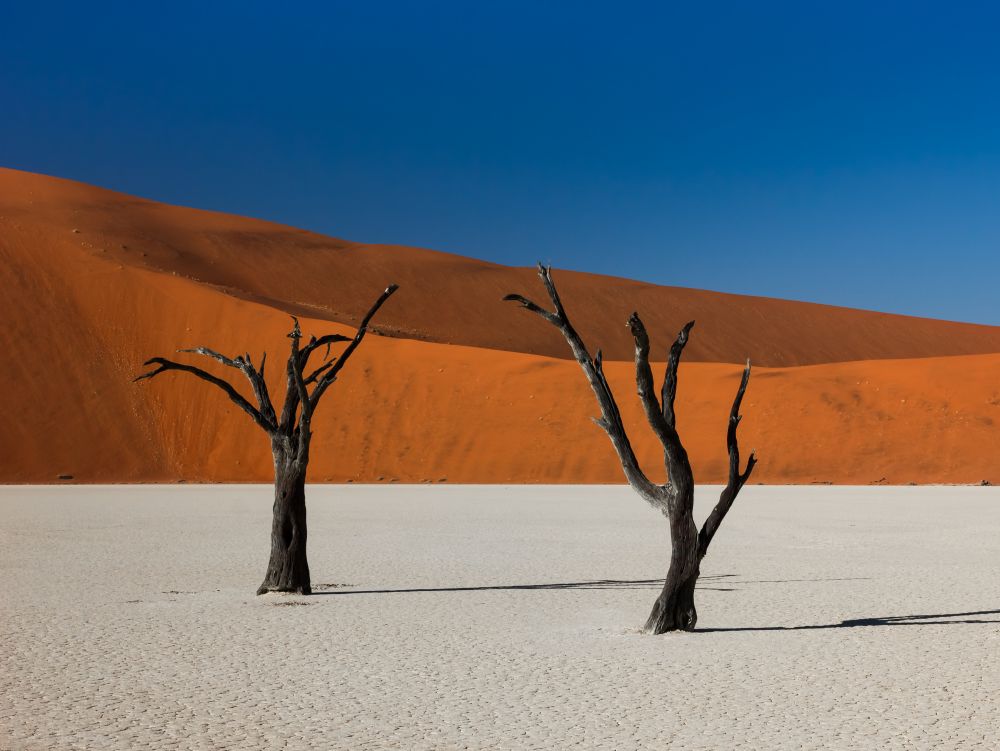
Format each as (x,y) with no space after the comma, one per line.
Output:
(839,152)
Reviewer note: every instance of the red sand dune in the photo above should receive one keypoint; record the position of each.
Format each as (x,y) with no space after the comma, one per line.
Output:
(448,298)
(81,313)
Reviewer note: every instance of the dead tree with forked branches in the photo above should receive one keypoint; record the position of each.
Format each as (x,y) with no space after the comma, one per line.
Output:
(674,609)
(290,434)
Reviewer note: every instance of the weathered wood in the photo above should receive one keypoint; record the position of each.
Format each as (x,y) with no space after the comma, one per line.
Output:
(669,390)
(674,609)
(290,435)
(610,420)
(288,566)
(164,365)
(737,479)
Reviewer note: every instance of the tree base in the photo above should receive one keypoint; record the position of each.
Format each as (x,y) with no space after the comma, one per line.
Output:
(673,610)
(305,589)
(288,568)
(288,571)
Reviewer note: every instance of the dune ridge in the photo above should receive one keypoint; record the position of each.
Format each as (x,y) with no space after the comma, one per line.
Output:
(448,298)
(80,319)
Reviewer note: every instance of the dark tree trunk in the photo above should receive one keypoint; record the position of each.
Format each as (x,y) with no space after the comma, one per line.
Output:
(288,568)
(674,609)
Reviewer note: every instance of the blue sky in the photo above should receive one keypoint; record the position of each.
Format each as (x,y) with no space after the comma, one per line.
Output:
(846,153)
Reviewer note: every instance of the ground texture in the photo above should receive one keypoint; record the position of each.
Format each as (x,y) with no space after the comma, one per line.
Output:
(464,617)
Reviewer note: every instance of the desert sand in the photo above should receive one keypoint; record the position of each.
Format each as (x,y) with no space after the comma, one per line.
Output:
(96,282)
(445,298)
(485,617)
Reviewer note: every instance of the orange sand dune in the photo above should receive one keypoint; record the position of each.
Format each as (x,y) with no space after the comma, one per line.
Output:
(447,298)
(79,322)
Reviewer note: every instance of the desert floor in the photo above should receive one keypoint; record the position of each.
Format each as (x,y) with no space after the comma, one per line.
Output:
(487,617)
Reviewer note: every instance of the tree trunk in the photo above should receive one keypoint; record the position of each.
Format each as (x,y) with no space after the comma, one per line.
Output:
(674,609)
(288,569)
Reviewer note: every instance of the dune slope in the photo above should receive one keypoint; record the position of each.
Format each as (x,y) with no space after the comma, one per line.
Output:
(78,326)
(446,298)
(81,314)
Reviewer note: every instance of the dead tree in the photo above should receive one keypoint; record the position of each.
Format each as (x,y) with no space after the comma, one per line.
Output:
(674,609)
(290,435)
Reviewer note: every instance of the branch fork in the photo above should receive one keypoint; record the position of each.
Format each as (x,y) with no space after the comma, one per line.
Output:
(675,607)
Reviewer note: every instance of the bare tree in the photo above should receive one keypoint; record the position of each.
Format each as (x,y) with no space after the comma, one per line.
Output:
(290,435)
(674,609)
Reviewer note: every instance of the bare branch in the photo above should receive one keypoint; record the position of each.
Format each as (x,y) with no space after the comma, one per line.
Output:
(610,421)
(289,411)
(736,479)
(644,381)
(669,390)
(213,354)
(315,344)
(675,456)
(311,378)
(545,272)
(233,394)
(526,303)
(674,609)
(331,375)
(292,395)
(256,379)
(295,376)
(259,386)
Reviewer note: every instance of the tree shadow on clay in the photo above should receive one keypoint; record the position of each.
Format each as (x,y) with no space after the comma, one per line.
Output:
(595,584)
(888,620)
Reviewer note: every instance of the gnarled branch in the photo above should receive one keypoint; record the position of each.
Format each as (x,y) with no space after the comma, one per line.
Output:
(736,479)
(295,378)
(674,454)
(331,374)
(674,608)
(644,376)
(293,395)
(233,394)
(610,421)
(213,354)
(296,394)
(538,310)
(669,391)
(255,377)
(325,340)
(312,377)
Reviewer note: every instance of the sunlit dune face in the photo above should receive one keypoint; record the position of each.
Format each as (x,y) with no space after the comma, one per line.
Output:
(96,282)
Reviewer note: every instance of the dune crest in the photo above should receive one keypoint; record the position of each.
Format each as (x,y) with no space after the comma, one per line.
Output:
(81,314)
(448,298)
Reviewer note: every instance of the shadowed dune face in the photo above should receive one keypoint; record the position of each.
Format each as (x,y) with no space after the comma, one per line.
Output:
(450,299)
(81,314)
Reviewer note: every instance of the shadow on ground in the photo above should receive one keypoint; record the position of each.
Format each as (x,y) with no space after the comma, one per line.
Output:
(887,620)
(595,584)
(937,619)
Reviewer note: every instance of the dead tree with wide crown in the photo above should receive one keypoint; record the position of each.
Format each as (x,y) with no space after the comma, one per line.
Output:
(674,609)
(290,434)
